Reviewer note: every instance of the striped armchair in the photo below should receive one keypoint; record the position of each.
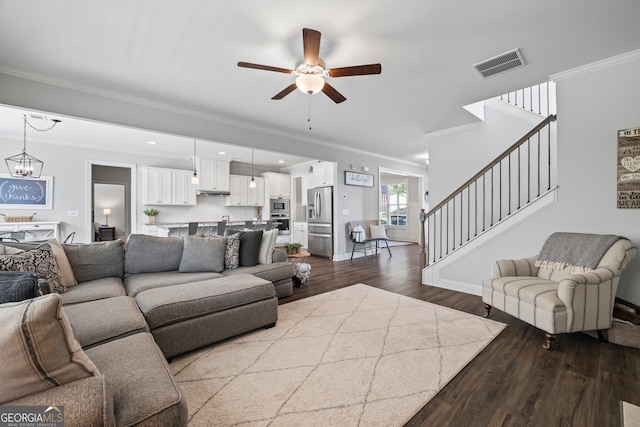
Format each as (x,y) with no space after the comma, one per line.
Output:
(555,298)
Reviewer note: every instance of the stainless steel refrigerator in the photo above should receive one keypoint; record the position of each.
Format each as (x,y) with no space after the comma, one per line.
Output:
(320,206)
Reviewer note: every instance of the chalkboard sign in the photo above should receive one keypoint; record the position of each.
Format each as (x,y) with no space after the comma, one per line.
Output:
(26,193)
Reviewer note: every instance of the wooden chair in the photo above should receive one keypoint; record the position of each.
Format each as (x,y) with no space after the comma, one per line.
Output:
(368,241)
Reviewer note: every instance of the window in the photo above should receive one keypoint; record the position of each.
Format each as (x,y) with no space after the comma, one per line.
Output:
(393,204)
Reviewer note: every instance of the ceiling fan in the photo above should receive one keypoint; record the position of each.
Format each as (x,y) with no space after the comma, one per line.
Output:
(311,70)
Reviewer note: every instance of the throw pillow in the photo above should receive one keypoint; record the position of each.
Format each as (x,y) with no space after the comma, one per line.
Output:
(66,271)
(266,246)
(203,254)
(151,254)
(232,252)
(377,231)
(17,286)
(38,260)
(97,260)
(250,247)
(9,250)
(38,349)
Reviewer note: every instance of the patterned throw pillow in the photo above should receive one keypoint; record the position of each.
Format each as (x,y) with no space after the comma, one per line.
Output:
(38,260)
(232,252)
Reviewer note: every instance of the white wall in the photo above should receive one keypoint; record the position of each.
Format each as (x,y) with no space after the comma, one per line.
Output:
(593,104)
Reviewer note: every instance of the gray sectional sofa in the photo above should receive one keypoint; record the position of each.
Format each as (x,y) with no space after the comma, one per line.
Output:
(131,307)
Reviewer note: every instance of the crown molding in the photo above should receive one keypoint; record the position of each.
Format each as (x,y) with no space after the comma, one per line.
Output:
(614,61)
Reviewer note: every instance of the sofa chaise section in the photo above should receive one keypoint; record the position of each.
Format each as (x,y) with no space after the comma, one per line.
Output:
(190,315)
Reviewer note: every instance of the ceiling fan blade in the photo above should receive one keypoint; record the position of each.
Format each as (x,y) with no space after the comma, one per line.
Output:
(311,44)
(264,67)
(285,92)
(332,93)
(358,70)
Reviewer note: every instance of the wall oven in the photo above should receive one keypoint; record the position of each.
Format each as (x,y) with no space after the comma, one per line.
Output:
(282,223)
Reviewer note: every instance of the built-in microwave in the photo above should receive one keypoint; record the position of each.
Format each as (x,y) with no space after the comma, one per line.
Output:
(279,206)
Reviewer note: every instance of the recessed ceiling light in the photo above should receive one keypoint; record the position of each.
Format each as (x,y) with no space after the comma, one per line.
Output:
(222,153)
(151,142)
(280,161)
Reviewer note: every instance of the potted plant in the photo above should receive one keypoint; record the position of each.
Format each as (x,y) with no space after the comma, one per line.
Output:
(151,213)
(292,248)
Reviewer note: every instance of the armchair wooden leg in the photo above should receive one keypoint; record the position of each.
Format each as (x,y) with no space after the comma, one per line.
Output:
(551,342)
(487,310)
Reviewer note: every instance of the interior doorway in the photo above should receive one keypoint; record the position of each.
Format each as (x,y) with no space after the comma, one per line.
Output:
(110,208)
(112,187)
(400,203)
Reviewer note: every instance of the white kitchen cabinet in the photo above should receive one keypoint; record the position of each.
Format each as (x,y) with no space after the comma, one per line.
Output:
(162,186)
(278,185)
(323,173)
(156,186)
(213,175)
(183,191)
(242,194)
(301,233)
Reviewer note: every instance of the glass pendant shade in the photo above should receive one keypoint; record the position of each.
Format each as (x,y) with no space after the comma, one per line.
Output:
(309,83)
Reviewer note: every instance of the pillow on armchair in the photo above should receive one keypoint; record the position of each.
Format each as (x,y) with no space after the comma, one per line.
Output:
(377,232)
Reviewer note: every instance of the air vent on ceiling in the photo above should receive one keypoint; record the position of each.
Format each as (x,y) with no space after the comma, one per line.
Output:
(498,64)
(36,116)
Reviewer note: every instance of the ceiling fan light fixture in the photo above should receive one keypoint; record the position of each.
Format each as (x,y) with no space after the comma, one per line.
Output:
(309,83)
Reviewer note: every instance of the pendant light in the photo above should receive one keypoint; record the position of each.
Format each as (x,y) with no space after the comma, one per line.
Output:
(24,165)
(252,184)
(194,179)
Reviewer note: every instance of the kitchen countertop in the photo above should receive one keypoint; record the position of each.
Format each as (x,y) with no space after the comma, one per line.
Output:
(206,223)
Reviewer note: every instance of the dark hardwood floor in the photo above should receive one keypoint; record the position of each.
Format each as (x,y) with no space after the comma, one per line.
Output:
(514,381)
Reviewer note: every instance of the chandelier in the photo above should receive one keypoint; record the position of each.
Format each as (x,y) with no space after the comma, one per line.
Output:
(24,165)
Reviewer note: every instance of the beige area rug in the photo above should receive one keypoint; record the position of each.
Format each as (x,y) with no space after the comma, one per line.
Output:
(630,415)
(357,356)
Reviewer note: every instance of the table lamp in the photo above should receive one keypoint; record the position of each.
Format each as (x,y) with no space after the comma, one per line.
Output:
(106,213)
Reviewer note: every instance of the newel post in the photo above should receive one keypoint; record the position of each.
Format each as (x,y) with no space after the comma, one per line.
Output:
(423,259)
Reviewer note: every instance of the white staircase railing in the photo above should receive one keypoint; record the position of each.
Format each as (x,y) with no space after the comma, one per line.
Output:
(539,99)
(518,176)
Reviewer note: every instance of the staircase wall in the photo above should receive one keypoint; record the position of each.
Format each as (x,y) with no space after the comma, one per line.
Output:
(594,102)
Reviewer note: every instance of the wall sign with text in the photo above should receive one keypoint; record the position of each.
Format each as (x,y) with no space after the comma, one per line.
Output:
(359,179)
(26,193)
(629,169)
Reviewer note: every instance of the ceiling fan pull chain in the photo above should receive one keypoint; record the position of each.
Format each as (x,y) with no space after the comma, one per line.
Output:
(309,112)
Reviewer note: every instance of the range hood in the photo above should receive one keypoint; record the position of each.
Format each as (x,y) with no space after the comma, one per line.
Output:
(213,193)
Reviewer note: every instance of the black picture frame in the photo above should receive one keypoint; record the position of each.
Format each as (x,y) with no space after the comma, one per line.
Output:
(358,179)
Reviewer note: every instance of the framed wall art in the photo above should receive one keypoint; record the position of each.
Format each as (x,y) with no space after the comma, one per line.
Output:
(628,185)
(357,178)
(26,193)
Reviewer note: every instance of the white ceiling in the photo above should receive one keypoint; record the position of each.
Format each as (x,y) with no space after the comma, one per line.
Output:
(184,53)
